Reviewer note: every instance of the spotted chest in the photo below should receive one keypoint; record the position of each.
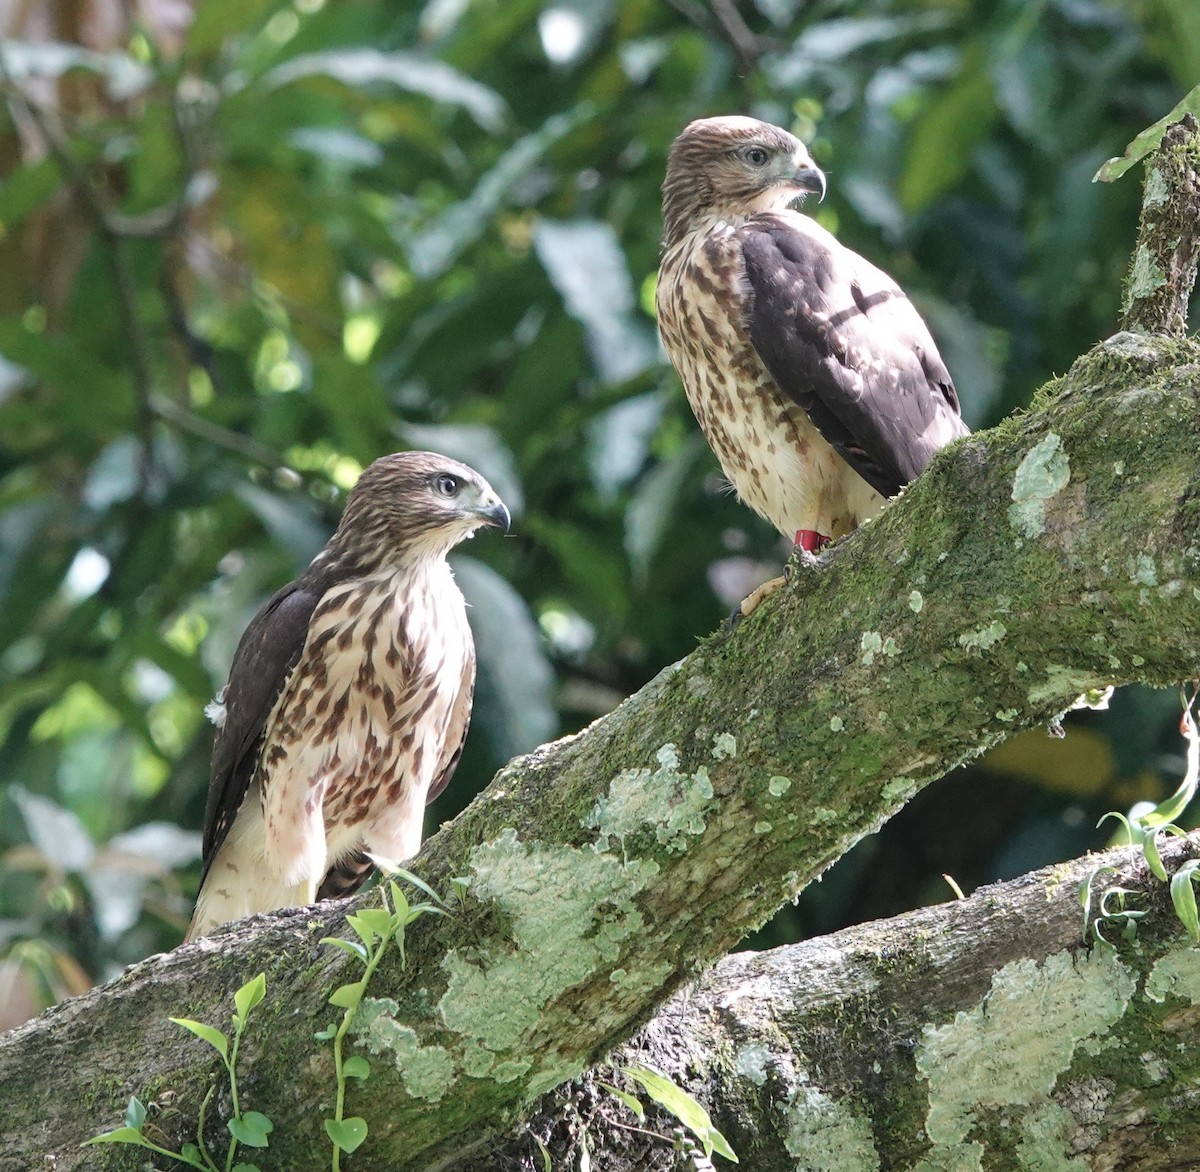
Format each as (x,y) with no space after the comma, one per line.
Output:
(767,445)
(362,725)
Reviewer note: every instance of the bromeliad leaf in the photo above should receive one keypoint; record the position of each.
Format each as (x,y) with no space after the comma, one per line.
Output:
(679,1103)
(630,1101)
(1183,896)
(217,1040)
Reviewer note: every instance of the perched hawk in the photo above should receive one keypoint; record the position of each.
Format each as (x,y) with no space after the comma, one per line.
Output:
(348,698)
(816,382)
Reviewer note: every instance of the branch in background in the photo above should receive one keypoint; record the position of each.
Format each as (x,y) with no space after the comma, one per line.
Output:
(1162,273)
(976,1022)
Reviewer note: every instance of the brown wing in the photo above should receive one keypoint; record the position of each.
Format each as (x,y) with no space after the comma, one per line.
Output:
(456,731)
(842,340)
(265,656)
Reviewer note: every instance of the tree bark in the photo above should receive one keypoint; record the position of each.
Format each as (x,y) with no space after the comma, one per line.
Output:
(1058,553)
(979,1033)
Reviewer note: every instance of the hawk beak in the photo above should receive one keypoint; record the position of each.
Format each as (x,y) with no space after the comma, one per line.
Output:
(494,513)
(810,178)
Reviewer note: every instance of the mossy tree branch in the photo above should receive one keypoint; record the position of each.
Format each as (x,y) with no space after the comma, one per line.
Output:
(1162,273)
(1057,553)
(979,1030)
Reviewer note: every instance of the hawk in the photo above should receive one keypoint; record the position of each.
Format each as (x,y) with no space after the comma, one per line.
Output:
(814,379)
(348,698)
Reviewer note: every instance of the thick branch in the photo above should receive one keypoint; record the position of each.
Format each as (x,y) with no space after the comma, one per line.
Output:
(1057,553)
(981,1029)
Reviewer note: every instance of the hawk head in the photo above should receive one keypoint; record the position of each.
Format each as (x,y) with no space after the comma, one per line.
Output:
(414,504)
(730,168)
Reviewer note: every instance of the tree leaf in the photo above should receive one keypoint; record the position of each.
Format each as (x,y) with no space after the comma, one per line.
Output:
(356,1066)
(121,1135)
(354,947)
(250,994)
(135,1113)
(347,1134)
(210,1034)
(251,1129)
(347,996)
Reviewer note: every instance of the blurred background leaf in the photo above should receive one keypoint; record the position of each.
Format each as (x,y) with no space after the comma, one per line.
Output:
(247,247)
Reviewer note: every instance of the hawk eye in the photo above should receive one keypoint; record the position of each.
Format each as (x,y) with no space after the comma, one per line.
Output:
(446,484)
(757,157)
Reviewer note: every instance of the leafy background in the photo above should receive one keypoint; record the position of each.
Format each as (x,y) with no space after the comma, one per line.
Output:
(247,246)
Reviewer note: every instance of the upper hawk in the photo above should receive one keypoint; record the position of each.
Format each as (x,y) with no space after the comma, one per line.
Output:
(814,378)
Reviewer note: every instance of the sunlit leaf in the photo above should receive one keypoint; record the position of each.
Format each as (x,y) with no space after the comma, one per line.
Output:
(214,1037)
(407,71)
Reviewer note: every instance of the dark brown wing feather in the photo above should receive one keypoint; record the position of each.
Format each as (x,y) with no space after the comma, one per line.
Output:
(842,340)
(266,654)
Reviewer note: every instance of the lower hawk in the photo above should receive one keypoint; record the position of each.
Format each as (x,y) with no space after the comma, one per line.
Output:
(348,698)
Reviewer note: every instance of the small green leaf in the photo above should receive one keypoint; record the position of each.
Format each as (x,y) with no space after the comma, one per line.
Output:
(630,1101)
(250,994)
(135,1113)
(1153,858)
(251,1129)
(326,1034)
(189,1152)
(354,947)
(1183,896)
(347,996)
(679,1103)
(547,1166)
(417,882)
(347,1134)
(370,924)
(246,1168)
(217,1040)
(356,1066)
(122,1135)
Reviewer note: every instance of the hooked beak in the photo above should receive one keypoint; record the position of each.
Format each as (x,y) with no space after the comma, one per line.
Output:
(495,513)
(811,179)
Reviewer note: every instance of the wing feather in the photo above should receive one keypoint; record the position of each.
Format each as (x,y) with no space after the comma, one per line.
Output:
(456,729)
(265,656)
(842,340)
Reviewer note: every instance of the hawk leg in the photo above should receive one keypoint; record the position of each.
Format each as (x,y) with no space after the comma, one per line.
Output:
(809,542)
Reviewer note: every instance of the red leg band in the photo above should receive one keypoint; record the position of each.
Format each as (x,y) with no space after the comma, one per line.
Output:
(810,540)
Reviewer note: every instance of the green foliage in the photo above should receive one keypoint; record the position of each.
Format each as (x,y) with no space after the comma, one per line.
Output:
(250,1128)
(376,929)
(1142,828)
(241,259)
(677,1102)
